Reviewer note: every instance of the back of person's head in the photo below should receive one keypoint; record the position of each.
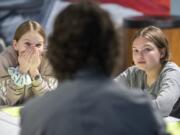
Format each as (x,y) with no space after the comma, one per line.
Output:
(83,37)
(156,36)
(27,26)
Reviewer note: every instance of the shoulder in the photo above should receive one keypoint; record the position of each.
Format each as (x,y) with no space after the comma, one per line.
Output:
(8,58)
(133,70)
(130,94)
(131,73)
(104,100)
(9,55)
(170,70)
(171,66)
(103,90)
(35,110)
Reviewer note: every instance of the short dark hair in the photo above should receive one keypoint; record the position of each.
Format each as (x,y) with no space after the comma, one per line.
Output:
(83,36)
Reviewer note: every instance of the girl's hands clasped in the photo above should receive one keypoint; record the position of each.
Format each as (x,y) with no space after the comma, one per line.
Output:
(29,60)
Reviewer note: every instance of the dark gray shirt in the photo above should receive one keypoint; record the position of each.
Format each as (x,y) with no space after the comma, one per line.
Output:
(91,104)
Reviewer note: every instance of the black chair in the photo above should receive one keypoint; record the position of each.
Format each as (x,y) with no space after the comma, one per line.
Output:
(176,110)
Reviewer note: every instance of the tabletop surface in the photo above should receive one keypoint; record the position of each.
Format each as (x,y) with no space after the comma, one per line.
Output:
(9,122)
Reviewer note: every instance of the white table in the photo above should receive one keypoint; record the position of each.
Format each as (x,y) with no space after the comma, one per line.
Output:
(9,125)
(171,119)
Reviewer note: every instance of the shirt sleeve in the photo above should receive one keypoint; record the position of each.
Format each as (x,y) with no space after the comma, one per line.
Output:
(14,87)
(123,77)
(130,77)
(10,93)
(47,81)
(44,84)
(169,93)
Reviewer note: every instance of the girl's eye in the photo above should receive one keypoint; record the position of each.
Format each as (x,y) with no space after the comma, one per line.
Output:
(147,49)
(28,44)
(38,45)
(135,51)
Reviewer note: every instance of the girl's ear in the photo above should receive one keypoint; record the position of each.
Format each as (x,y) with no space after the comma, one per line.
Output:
(15,45)
(162,52)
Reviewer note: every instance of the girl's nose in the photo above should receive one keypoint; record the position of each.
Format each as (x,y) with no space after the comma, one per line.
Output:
(33,45)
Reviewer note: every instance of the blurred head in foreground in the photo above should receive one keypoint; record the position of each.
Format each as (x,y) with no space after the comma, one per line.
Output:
(84,37)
